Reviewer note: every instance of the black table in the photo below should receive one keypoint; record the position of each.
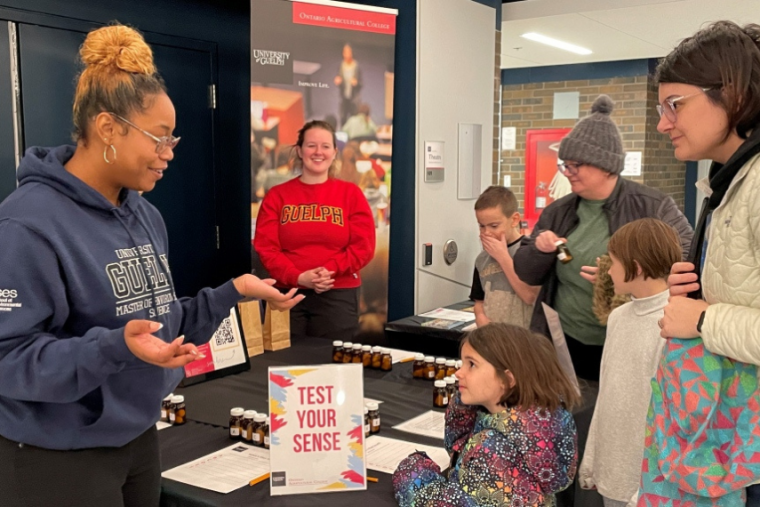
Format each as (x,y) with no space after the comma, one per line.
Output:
(409,334)
(209,404)
(194,440)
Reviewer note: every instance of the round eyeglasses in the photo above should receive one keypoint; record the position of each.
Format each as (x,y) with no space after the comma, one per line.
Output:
(568,169)
(668,106)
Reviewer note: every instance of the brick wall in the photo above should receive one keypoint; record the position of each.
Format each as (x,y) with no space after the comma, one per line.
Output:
(661,169)
(530,106)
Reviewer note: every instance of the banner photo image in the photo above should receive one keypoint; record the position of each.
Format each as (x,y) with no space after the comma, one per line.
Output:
(334,62)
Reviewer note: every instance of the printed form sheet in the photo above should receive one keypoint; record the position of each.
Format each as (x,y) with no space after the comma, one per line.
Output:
(430,424)
(384,454)
(447,314)
(223,471)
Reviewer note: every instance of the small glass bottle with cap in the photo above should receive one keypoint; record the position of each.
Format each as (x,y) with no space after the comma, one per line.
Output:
(563,253)
(356,356)
(440,395)
(337,351)
(236,421)
(418,367)
(247,426)
(259,421)
(387,360)
(451,367)
(178,412)
(366,422)
(165,406)
(459,364)
(374,417)
(377,357)
(429,368)
(366,356)
(451,387)
(440,368)
(348,352)
(265,430)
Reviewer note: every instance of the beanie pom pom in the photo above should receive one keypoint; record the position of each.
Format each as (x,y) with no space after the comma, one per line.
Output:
(603,104)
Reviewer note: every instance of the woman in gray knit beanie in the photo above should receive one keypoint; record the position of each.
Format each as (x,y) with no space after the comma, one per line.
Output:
(601,202)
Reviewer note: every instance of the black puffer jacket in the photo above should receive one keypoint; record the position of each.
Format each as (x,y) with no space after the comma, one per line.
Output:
(629,201)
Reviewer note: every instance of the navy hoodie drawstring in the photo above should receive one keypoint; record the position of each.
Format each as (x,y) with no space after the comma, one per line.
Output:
(165,268)
(115,212)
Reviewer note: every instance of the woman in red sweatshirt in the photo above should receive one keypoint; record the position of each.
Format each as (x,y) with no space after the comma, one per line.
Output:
(315,233)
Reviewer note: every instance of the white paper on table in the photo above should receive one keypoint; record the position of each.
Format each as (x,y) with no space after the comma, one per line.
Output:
(370,400)
(384,454)
(161,425)
(223,471)
(430,424)
(470,327)
(446,314)
(400,355)
(560,344)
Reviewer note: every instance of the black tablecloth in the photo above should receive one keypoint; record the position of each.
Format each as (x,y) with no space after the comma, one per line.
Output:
(409,334)
(208,409)
(194,440)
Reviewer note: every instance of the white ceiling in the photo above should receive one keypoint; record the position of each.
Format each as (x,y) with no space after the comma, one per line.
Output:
(611,29)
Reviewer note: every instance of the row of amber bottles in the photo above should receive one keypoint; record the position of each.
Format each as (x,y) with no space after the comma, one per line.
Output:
(430,368)
(370,357)
(249,426)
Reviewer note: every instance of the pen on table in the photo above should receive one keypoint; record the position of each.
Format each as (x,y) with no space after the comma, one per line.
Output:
(372,479)
(258,480)
(407,360)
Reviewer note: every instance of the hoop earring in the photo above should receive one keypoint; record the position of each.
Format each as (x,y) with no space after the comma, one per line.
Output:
(105,154)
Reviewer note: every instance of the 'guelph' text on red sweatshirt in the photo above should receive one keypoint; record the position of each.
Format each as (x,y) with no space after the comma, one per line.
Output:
(302,227)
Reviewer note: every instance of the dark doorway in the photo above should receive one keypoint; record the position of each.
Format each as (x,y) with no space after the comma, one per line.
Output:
(186,195)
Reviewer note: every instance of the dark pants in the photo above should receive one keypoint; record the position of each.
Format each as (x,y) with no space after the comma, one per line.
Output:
(333,314)
(128,476)
(586,358)
(347,109)
(753,496)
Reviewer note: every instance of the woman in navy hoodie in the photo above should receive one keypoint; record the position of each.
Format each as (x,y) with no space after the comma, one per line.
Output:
(89,320)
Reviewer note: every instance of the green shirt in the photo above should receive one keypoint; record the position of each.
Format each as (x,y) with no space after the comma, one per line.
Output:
(574,293)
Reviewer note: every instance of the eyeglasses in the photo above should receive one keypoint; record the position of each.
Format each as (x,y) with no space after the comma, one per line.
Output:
(162,143)
(569,169)
(668,106)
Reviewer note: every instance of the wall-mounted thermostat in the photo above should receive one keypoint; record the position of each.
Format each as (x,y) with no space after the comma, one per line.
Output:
(450,251)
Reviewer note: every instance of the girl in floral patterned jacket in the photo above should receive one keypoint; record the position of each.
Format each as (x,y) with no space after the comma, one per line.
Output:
(510,435)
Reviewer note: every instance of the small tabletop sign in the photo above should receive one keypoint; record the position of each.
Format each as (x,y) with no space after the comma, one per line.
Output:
(224,354)
(317,429)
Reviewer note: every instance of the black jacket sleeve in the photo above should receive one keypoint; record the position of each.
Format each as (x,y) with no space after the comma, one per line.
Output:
(533,266)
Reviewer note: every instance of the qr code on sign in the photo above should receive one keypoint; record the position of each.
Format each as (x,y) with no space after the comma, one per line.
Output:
(225,334)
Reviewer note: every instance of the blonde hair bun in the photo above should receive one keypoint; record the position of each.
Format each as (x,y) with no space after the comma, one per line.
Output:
(119,47)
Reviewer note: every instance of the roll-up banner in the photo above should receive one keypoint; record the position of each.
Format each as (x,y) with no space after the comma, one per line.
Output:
(330,61)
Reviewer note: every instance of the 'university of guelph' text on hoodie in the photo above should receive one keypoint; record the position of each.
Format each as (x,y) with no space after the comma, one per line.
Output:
(74,269)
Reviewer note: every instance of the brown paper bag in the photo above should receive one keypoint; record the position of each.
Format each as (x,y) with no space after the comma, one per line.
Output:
(250,315)
(276,330)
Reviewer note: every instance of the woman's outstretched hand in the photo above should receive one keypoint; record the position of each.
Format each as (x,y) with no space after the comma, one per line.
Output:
(253,287)
(138,334)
